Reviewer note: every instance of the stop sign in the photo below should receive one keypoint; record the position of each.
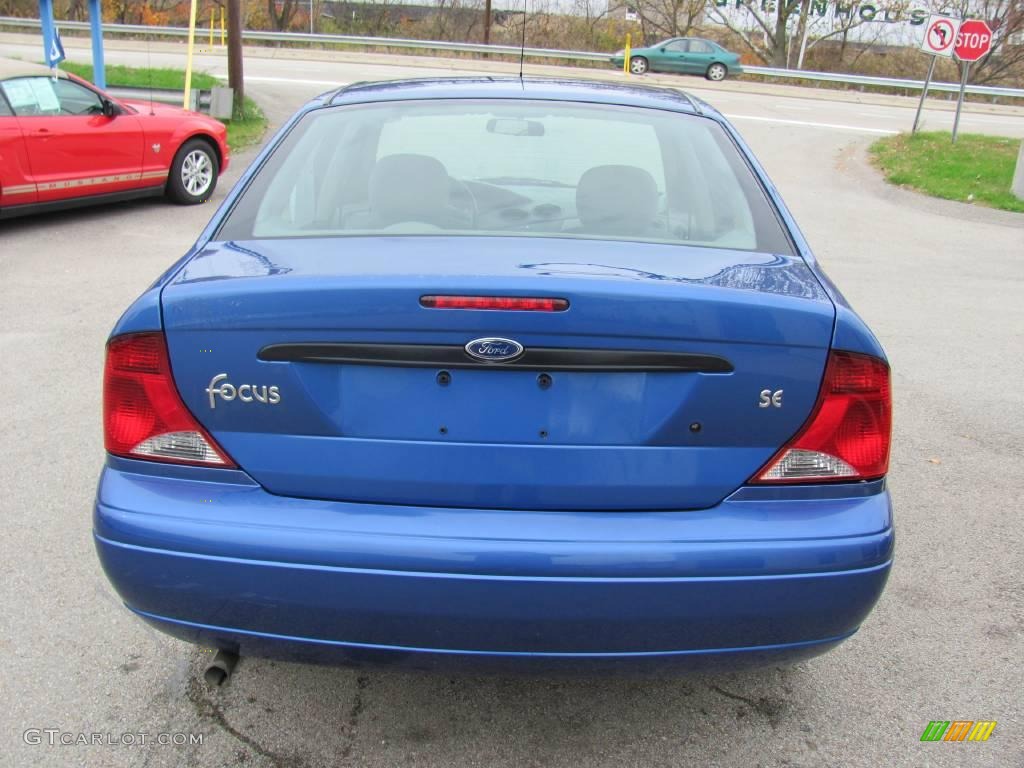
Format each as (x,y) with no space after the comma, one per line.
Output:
(973,40)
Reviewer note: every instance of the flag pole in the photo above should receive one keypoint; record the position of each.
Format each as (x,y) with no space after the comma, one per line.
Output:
(188,59)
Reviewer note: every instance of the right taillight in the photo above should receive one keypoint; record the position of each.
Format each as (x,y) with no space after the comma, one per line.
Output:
(847,436)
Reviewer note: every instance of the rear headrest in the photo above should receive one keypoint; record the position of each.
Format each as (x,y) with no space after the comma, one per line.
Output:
(618,200)
(408,187)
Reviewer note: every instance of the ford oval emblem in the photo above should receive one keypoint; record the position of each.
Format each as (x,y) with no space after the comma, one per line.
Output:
(494,350)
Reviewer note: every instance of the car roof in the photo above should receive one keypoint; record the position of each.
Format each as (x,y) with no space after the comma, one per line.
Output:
(17,68)
(534,88)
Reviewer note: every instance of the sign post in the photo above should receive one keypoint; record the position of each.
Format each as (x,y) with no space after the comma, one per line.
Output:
(965,67)
(46,22)
(188,55)
(973,41)
(939,37)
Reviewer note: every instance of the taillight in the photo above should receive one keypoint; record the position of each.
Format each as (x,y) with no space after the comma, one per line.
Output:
(143,415)
(508,303)
(847,436)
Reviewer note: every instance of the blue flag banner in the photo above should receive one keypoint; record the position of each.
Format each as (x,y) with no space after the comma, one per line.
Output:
(55,55)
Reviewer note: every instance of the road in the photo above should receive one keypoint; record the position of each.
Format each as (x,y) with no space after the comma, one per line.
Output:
(941,284)
(288,73)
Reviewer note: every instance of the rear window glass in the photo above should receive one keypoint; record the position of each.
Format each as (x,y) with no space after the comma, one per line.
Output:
(508,168)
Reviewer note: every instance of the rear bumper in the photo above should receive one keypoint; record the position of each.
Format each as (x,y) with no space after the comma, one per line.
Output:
(209,556)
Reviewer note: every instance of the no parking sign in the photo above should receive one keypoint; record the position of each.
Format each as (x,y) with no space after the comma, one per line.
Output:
(940,35)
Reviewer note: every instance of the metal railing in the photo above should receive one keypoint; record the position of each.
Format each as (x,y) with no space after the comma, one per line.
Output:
(160,95)
(885,82)
(301,39)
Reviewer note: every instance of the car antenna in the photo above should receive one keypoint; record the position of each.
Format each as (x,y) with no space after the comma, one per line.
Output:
(522,47)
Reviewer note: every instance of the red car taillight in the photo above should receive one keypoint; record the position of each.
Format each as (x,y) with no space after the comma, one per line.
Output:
(508,303)
(143,415)
(847,436)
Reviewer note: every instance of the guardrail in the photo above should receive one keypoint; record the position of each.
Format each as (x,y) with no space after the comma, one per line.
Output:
(160,95)
(885,82)
(202,98)
(296,38)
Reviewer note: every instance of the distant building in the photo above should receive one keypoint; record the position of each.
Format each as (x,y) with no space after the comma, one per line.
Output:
(885,22)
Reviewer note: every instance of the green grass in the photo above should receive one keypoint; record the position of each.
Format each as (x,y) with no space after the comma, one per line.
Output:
(976,169)
(137,77)
(244,129)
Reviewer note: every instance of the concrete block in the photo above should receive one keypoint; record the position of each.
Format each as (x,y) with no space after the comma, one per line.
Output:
(221,102)
(1018,176)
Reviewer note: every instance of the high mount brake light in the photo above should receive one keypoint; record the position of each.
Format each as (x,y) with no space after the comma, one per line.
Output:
(143,415)
(848,434)
(508,303)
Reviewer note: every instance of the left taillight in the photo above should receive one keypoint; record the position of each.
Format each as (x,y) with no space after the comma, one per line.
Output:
(143,415)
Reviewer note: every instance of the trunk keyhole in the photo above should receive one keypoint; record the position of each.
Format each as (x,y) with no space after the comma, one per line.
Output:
(444,378)
(544,381)
(695,427)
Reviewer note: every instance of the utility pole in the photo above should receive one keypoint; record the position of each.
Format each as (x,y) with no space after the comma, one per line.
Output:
(487,22)
(235,78)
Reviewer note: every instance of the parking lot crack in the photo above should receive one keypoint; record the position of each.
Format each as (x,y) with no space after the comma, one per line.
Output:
(354,712)
(770,708)
(210,710)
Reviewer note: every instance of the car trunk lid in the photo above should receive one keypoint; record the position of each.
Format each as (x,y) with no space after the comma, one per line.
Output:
(315,364)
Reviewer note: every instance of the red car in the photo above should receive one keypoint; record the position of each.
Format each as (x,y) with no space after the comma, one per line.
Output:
(65,143)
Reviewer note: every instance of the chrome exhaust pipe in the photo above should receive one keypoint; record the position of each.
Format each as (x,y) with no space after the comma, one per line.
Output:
(220,669)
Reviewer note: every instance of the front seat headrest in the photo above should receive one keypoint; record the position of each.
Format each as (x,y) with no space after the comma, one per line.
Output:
(617,200)
(408,187)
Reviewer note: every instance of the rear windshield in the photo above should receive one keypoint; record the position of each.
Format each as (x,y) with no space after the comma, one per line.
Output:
(508,168)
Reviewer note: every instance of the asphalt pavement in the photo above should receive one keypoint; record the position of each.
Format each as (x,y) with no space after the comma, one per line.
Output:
(941,283)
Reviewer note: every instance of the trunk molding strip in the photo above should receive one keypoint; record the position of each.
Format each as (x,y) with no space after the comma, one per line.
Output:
(532,359)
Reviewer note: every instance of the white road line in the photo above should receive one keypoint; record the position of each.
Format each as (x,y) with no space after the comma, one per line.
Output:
(808,124)
(792,106)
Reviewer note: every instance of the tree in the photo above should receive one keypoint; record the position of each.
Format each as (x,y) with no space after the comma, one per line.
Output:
(668,18)
(592,13)
(765,29)
(1006,18)
(821,29)
(281,19)
(770,21)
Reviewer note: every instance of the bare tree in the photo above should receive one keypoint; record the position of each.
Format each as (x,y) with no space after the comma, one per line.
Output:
(765,28)
(281,13)
(767,36)
(592,12)
(1006,18)
(841,26)
(668,18)
(801,33)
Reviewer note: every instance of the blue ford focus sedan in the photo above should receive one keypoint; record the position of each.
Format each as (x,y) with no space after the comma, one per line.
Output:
(525,373)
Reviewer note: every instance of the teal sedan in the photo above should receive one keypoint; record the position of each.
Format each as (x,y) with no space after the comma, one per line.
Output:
(688,55)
